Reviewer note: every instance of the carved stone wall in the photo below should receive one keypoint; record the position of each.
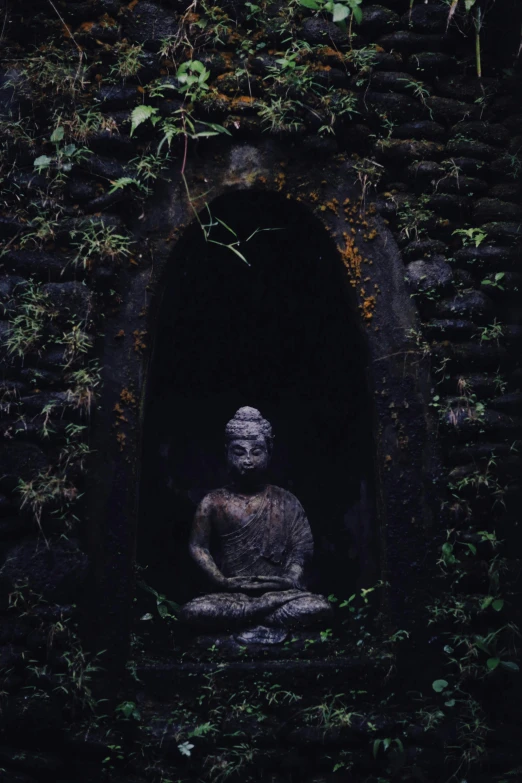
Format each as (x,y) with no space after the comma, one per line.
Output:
(412,165)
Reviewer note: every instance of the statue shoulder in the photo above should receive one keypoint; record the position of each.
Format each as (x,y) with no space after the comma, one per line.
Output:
(210,501)
(284,495)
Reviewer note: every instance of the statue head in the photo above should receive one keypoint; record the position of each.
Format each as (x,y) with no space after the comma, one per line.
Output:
(249,446)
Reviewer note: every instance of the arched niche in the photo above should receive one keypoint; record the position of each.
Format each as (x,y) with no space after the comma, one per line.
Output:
(275,329)
(381,319)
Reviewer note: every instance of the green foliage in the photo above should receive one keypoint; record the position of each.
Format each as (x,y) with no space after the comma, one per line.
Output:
(471,236)
(491,333)
(46,489)
(52,71)
(81,668)
(82,385)
(339,10)
(166,608)
(128,61)
(128,710)
(124,182)
(76,343)
(26,331)
(280,116)
(44,228)
(193,78)
(142,113)
(98,242)
(494,281)
(412,217)
(64,158)
(231,762)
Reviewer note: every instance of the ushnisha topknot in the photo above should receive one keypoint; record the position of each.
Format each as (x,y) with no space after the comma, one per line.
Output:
(248,423)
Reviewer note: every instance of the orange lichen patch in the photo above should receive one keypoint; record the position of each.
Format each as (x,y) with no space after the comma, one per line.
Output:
(327,51)
(280,180)
(119,334)
(86,27)
(139,344)
(121,438)
(107,21)
(368,306)
(132,5)
(120,415)
(333,206)
(351,258)
(127,397)
(243,102)
(234,38)
(313,196)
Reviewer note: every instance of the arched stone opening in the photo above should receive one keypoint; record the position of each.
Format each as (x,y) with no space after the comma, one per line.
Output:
(279,333)
(383,319)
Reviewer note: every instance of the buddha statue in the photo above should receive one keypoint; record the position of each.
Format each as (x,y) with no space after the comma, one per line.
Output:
(263,544)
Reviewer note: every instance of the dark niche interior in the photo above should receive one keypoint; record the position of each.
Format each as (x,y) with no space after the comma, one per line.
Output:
(278,334)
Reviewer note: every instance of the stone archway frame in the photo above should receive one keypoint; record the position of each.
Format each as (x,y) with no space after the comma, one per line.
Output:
(397,376)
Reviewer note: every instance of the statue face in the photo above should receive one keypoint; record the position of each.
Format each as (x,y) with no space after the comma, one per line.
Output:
(247,459)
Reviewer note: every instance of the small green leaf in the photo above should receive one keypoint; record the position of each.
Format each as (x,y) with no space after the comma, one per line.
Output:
(472,548)
(357,13)
(510,666)
(123,182)
(162,610)
(449,703)
(498,604)
(492,663)
(310,4)
(340,12)
(439,685)
(141,114)
(57,134)
(43,162)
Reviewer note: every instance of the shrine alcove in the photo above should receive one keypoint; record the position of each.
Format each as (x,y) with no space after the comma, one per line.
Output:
(274,328)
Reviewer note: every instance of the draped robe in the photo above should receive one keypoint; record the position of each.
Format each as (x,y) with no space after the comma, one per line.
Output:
(276,536)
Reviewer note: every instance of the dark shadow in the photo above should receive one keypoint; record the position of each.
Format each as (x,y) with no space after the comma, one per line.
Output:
(279,335)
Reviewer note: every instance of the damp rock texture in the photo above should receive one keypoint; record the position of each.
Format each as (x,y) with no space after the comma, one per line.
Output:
(119,122)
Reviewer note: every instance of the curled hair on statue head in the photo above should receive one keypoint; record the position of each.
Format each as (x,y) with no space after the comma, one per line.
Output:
(248,424)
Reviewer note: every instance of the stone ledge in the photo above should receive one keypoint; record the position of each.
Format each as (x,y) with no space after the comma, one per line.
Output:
(163,673)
